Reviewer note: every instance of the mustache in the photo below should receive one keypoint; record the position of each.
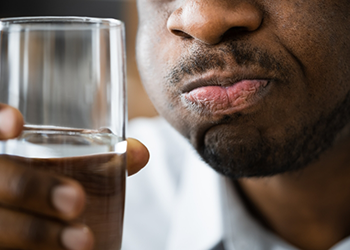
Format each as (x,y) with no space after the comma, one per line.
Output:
(203,59)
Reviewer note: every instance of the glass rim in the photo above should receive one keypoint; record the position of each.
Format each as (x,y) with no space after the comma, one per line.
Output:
(59,22)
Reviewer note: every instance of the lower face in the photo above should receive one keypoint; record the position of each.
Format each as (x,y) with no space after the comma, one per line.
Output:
(287,118)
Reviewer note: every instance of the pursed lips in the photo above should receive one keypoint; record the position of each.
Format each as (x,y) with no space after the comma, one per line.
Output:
(226,97)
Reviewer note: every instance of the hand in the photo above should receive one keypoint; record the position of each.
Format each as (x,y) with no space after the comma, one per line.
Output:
(36,208)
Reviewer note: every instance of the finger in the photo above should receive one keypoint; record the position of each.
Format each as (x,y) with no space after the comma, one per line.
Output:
(137,156)
(23,231)
(37,191)
(11,122)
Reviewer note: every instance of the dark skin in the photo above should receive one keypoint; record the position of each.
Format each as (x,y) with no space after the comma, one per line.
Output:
(285,140)
(287,143)
(37,220)
(308,208)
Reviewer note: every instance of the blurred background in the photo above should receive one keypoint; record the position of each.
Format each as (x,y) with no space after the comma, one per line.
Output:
(125,10)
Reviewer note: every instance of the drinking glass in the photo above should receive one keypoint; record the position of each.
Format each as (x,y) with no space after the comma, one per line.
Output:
(67,77)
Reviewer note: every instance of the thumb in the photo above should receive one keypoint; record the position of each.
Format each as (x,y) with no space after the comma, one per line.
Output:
(137,156)
(11,122)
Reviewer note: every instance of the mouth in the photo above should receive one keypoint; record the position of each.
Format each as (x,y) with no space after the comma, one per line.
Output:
(224,94)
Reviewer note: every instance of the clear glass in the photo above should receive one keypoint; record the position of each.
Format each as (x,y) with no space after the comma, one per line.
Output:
(67,77)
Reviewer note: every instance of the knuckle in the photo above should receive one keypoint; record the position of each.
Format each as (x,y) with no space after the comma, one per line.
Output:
(25,186)
(36,231)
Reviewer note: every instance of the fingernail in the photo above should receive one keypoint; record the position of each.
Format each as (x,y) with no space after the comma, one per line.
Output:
(66,199)
(75,238)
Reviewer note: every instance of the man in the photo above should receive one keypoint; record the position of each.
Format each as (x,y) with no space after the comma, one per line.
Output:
(261,90)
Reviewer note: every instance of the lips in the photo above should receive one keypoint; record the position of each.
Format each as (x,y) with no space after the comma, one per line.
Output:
(219,100)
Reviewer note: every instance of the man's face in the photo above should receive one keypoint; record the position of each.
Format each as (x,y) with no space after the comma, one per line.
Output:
(258,87)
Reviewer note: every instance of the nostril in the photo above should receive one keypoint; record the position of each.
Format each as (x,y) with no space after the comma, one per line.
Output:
(180,33)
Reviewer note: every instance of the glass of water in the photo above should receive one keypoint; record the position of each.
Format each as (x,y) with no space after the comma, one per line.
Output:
(67,77)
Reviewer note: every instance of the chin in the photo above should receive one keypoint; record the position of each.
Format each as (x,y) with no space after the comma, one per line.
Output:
(240,161)
(249,153)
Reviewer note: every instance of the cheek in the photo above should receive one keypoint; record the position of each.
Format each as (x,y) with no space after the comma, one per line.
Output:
(317,35)
(156,54)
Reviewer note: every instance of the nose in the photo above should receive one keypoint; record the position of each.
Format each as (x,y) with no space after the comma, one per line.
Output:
(209,20)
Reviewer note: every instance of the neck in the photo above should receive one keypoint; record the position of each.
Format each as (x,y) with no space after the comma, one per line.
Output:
(308,208)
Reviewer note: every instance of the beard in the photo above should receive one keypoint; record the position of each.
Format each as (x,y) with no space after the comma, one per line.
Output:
(238,153)
(264,156)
